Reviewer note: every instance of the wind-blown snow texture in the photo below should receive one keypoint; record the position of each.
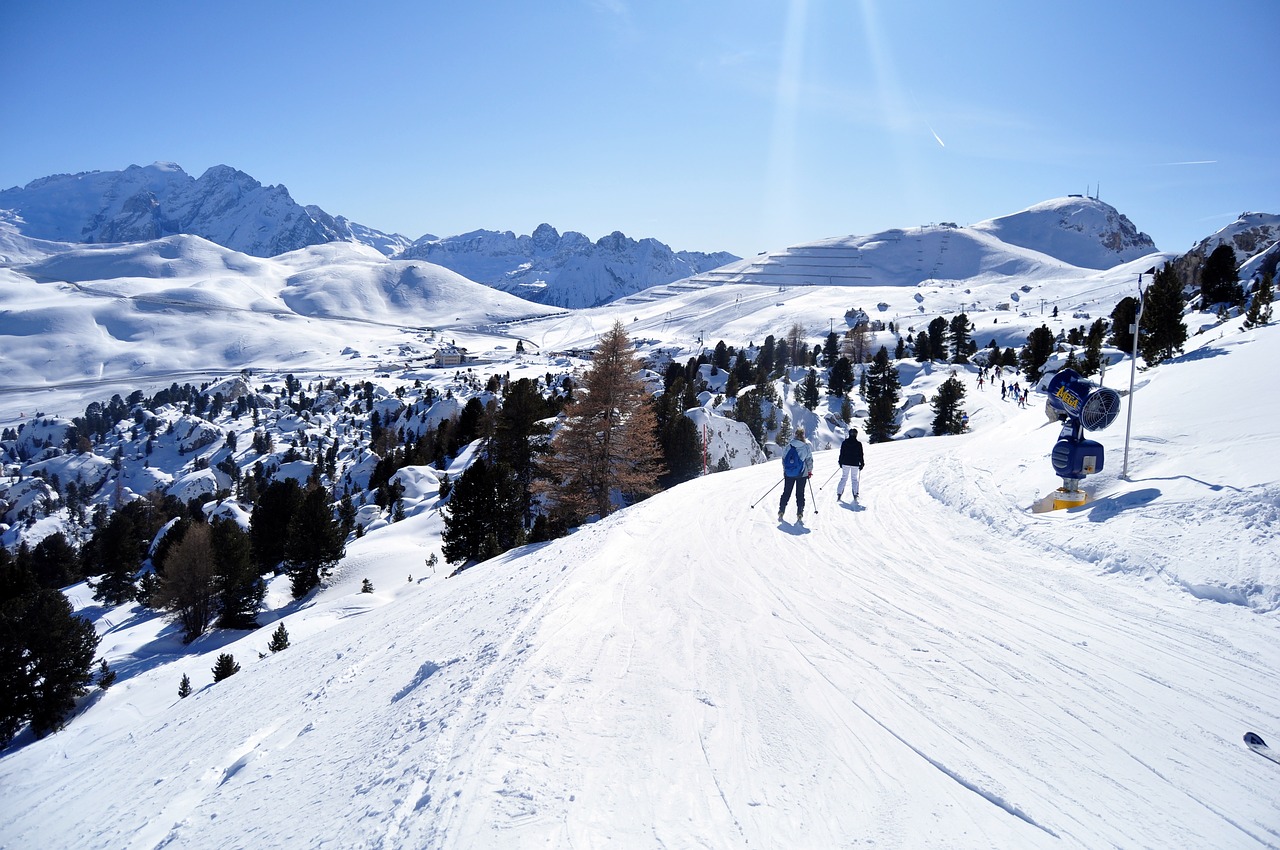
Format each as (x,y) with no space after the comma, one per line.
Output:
(941,666)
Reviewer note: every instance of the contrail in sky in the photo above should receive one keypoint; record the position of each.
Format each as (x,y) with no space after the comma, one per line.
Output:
(937,137)
(1195,162)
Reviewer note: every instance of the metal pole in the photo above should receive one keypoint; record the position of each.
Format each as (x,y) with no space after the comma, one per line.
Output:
(1133,368)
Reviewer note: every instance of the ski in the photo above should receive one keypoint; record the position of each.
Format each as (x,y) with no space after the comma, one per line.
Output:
(1254,742)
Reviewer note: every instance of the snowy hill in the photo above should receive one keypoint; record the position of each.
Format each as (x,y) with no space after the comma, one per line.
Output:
(939,666)
(566,270)
(1082,232)
(105,315)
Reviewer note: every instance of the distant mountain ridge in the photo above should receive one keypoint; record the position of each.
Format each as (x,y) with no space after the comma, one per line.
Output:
(232,209)
(563,270)
(138,204)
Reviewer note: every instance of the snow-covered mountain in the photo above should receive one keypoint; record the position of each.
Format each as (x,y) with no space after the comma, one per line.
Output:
(223,205)
(1255,237)
(1081,231)
(564,270)
(234,210)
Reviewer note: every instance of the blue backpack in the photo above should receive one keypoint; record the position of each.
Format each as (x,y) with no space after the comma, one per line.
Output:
(792,465)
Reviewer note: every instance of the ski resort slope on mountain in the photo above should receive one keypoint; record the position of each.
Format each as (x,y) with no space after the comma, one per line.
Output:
(938,666)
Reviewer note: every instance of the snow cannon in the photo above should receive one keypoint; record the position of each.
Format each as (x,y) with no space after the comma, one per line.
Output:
(1093,406)
(1083,406)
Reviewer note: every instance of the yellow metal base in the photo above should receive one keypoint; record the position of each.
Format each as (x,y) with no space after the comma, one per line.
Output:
(1063,499)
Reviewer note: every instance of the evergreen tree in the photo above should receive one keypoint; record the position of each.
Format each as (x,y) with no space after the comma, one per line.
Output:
(1163,333)
(959,332)
(1091,364)
(1035,353)
(831,349)
(46,655)
(484,516)
(809,393)
(1220,279)
(900,351)
(184,687)
(315,543)
(269,524)
(677,434)
(55,562)
(921,350)
(841,379)
(225,667)
(607,445)
(948,415)
(1259,312)
(748,413)
(1123,318)
(106,676)
(366,586)
(883,392)
(938,338)
(279,639)
(240,588)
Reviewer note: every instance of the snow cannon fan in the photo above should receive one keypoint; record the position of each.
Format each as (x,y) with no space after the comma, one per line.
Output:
(1084,407)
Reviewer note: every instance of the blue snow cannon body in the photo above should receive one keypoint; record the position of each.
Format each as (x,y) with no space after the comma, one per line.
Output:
(1085,407)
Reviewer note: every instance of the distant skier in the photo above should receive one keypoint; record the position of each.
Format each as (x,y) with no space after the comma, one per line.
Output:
(797,467)
(850,464)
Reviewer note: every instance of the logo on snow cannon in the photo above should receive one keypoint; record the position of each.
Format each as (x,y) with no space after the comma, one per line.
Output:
(1094,407)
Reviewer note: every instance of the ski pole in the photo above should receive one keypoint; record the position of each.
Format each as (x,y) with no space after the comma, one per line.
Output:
(828,481)
(766,493)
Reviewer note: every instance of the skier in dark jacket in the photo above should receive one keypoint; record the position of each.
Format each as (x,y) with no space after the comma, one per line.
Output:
(796,481)
(850,464)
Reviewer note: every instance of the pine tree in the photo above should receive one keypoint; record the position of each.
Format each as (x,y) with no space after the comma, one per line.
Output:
(1259,312)
(484,516)
(1219,278)
(841,379)
(280,638)
(106,676)
(184,687)
(240,588)
(948,414)
(366,586)
(883,392)
(921,350)
(269,525)
(1123,318)
(959,332)
(226,666)
(315,543)
(607,445)
(1035,353)
(1163,333)
(809,394)
(938,338)
(46,655)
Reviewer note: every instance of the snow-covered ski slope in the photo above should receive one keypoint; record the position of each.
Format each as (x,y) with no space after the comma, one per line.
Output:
(943,668)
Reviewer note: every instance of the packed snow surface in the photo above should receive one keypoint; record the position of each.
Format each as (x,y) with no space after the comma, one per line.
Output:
(939,665)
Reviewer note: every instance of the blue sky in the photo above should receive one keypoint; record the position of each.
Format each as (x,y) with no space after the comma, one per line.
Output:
(743,126)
